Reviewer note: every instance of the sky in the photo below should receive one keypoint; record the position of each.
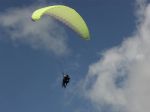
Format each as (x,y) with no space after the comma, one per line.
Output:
(109,73)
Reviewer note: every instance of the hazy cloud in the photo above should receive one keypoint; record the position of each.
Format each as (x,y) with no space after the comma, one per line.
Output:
(120,80)
(45,34)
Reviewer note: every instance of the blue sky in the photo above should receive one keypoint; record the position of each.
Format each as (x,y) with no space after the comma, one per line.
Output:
(105,71)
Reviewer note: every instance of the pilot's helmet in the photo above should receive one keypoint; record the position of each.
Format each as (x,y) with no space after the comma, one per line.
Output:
(65,75)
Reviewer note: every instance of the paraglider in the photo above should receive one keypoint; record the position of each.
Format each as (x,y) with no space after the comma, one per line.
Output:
(70,18)
(65,80)
(65,15)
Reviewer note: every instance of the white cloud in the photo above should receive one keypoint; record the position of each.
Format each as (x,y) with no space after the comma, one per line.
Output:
(45,34)
(121,78)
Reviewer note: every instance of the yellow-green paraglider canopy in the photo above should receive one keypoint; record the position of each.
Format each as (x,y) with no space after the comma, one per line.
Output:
(66,15)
